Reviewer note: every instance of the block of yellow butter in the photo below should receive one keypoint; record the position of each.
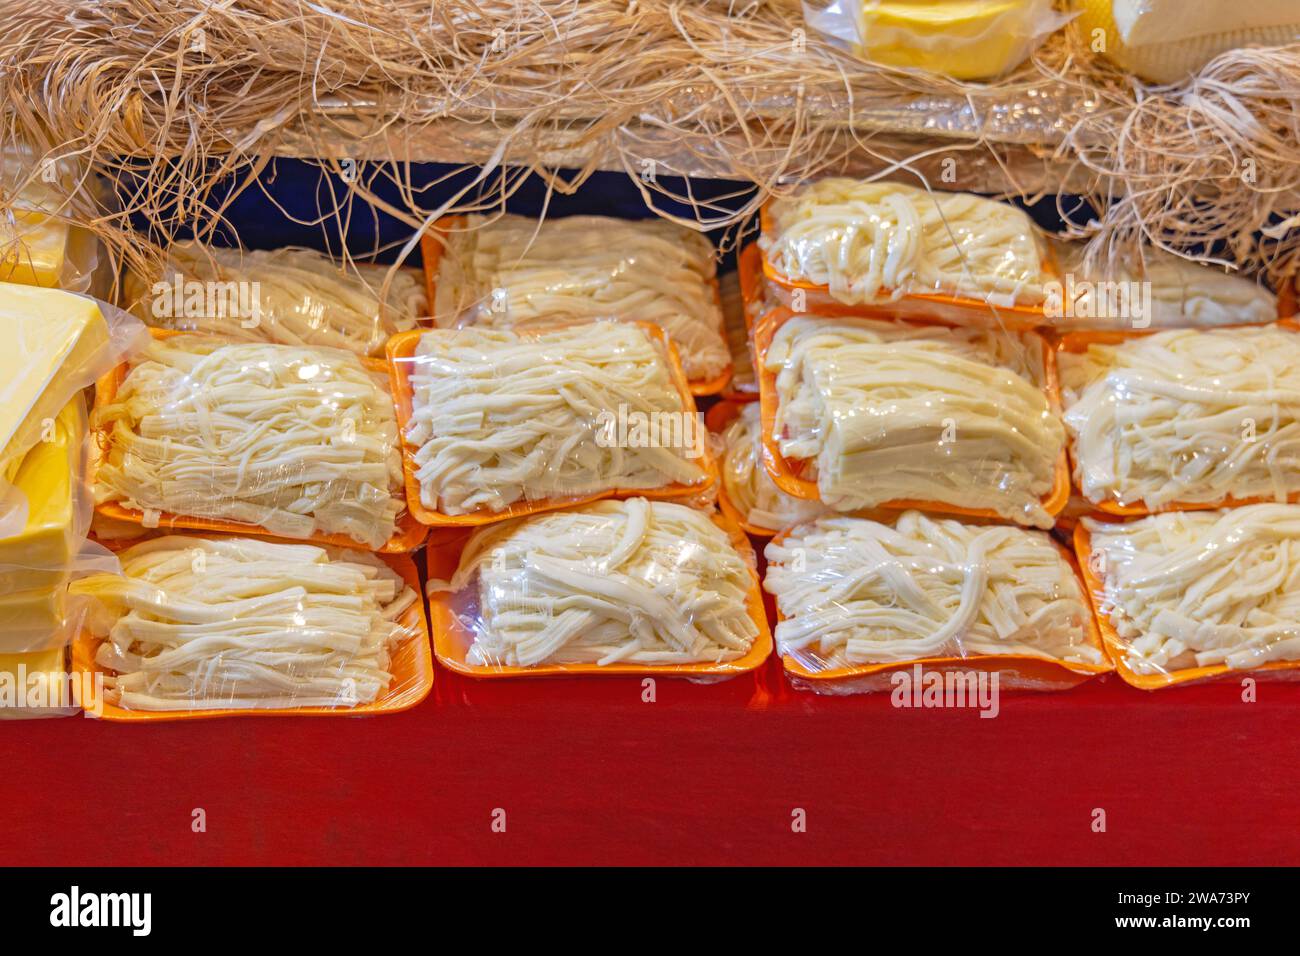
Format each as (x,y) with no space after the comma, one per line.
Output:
(50,339)
(1166,41)
(964,39)
(50,477)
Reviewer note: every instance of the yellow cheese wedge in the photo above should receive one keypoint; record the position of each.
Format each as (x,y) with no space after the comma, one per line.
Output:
(1166,41)
(33,249)
(47,337)
(48,476)
(964,39)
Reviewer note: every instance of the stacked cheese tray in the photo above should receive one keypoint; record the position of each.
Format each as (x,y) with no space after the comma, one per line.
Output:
(571,447)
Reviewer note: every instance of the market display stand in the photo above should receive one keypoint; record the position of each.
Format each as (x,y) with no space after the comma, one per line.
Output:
(587,772)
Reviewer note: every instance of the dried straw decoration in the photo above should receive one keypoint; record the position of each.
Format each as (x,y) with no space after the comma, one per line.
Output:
(173,97)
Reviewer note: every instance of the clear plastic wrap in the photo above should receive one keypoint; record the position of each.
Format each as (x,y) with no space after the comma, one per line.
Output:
(1183,418)
(287,296)
(611,587)
(1161,292)
(38,246)
(509,271)
(1197,595)
(878,248)
(1166,41)
(861,413)
(743,386)
(498,423)
(214,626)
(202,433)
(964,39)
(858,599)
(39,685)
(747,492)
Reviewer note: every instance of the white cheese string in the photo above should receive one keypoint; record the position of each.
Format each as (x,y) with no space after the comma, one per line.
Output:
(615,581)
(854,591)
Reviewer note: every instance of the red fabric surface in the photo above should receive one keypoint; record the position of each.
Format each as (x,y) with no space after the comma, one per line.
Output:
(587,773)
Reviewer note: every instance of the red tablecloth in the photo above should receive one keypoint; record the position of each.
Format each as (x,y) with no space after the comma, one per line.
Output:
(587,773)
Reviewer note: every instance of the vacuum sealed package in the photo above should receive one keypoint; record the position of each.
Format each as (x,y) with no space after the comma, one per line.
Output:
(298,442)
(611,587)
(1168,41)
(863,413)
(1197,595)
(509,271)
(747,491)
(38,245)
(963,39)
(877,248)
(1183,418)
(286,296)
(858,600)
(1159,292)
(214,625)
(497,422)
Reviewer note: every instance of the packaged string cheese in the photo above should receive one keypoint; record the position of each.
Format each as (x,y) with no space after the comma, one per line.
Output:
(611,587)
(1197,595)
(1183,418)
(862,605)
(1158,290)
(298,442)
(509,271)
(286,296)
(843,246)
(497,423)
(863,414)
(205,626)
(963,39)
(747,492)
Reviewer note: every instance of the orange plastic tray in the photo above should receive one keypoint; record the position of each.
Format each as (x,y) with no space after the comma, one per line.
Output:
(716,419)
(1037,669)
(433,244)
(411,667)
(452,640)
(401,348)
(749,268)
(409,534)
(787,474)
(1118,647)
(1076,342)
(1020,318)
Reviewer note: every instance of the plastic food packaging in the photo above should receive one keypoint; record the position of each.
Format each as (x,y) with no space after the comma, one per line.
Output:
(862,413)
(202,433)
(214,626)
(498,423)
(611,587)
(884,249)
(286,296)
(1168,41)
(1197,595)
(510,271)
(38,246)
(36,685)
(858,600)
(743,385)
(1183,418)
(1163,291)
(964,39)
(747,492)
